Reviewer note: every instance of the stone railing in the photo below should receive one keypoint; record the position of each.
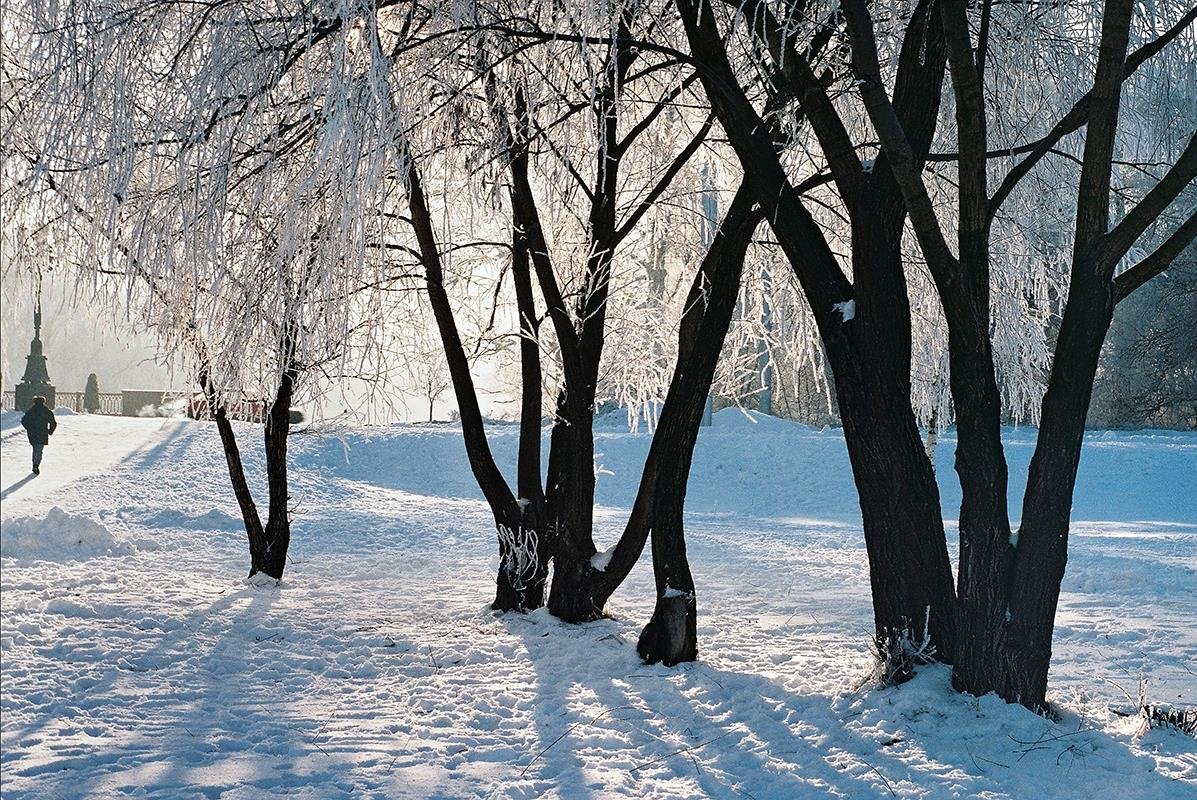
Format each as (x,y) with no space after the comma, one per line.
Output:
(141,403)
(110,402)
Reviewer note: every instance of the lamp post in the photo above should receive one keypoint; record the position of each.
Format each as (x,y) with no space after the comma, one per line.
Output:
(36,380)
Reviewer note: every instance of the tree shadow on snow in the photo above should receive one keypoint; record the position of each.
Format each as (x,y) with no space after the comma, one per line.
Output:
(607,724)
(160,446)
(215,730)
(224,730)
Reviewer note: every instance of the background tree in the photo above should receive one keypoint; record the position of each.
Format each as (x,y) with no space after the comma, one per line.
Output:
(1147,375)
(1009,583)
(91,394)
(204,198)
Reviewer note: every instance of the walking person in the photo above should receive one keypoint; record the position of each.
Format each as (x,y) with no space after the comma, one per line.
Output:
(39,423)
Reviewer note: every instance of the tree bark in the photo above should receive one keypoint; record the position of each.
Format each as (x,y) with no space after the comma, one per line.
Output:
(570,490)
(1019,671)
(272,555)
(866,336)
(985,548)
(519,584)
(570,501)
(671,636)
(909,570)
(232,457)
(530,545)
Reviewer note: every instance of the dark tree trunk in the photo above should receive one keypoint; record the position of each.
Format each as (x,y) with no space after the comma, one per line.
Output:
(268,543)
(913,595)
(1032,590)
(570,490)
(232,456)
(986,546)
(980,461)
(271,557)
(519,582)
(570,502)
(579,590)
(586,588)
(671,635)
(525,546)
(882,296)
(909,570)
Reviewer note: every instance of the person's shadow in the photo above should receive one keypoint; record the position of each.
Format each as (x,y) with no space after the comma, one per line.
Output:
(9,490)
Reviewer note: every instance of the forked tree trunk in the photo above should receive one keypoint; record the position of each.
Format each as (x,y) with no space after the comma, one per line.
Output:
(1043,537)
(232,456)
(519,584)
(587,586)
(570,490)
(579,590)
(1010,585)
(1033,589)
(268,544)
(911,576)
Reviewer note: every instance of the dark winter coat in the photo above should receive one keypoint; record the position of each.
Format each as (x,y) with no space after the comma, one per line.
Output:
(40,423)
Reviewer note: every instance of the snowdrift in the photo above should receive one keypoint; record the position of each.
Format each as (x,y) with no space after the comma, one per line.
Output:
(58,536)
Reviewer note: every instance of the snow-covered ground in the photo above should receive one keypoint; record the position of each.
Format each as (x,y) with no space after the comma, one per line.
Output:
(137,662)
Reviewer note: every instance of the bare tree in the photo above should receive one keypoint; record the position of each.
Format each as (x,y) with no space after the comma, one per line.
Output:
(1147,376)
(865,323)
(201,200)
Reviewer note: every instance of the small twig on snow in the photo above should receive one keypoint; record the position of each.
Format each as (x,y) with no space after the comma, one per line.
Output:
(639,767)
(569,730)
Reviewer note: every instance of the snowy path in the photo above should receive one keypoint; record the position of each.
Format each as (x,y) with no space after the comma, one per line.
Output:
(81,447)
(377,671)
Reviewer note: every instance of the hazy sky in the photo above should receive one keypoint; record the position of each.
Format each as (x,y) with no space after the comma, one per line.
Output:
(78,340)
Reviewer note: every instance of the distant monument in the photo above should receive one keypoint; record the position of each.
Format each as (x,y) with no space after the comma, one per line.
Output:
(36,380)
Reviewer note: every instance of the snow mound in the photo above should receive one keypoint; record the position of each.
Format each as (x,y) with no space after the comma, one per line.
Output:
(213,519)
(743,419)
(600,561)
(64,411)
(58,536)
(260,580)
